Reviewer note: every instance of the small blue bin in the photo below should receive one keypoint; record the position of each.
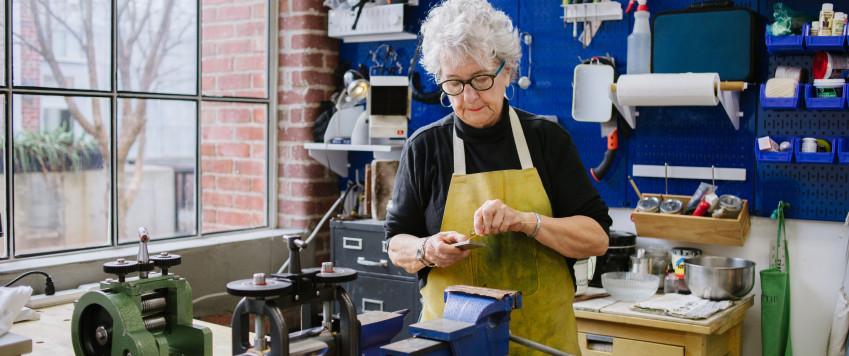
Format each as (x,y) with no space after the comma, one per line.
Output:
(843,150)
(814,103)
(825,43)
(783,103)
(791,44)
(815,157)
(769,156)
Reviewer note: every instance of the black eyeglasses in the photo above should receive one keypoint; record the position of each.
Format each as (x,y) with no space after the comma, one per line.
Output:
(480,82)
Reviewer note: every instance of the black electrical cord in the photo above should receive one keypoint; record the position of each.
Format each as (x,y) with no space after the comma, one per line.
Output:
(49,289)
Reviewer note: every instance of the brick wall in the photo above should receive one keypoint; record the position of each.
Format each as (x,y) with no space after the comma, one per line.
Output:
(30,72)
(307,58)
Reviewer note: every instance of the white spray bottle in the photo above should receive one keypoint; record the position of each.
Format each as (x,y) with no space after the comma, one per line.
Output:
(639,41)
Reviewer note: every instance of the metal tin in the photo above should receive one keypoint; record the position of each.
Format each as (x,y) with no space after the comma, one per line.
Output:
(729,207)
(671,206)
(648,205)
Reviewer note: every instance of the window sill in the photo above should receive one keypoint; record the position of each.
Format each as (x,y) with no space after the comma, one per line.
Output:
(26,264)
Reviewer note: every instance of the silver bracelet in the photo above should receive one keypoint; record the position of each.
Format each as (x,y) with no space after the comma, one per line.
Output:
(536,229)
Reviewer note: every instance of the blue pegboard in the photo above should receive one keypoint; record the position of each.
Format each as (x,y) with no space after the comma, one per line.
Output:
(679,136)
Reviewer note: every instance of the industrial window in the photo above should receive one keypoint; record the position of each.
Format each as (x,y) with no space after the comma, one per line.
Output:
(119,114)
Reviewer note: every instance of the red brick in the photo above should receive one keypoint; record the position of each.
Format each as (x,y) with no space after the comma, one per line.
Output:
(304,22)
(299,60)
(212,199)
(259,220)
(250,168)
(217,133)
(217,32)
(208,15)
(207,149)
(309,77)
(234,81)
(250,133)
(251,63)
(239,12)
(258,185)
(234,218)
(207,181)
(210,165)
(258,81)
(296,134)
(217,65)
(214,2)
(208,49)
(207,83)
(240,115)
(233,150)
(234,47)
(260,11)
(233,184)
(301,170)
(307,5)
(253,28)
(255,203)
(258,151)
(303,41)
(259,115)
(331,60)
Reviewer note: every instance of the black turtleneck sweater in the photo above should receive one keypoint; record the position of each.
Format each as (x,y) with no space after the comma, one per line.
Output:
(427,163)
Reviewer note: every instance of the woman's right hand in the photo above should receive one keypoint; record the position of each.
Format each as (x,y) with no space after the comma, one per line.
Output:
(438,248)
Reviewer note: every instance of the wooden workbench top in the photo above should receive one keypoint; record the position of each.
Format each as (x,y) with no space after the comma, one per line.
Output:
(622,312)
(51,335)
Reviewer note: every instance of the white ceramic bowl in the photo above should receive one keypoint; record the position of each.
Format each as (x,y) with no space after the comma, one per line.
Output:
(630,286)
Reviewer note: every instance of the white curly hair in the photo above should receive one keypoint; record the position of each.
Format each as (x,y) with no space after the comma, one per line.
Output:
(458,30)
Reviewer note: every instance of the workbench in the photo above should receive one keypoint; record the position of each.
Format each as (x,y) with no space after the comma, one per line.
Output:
(633,332)
(51,335)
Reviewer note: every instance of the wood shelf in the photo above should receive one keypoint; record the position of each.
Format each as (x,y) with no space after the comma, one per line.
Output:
(335,155)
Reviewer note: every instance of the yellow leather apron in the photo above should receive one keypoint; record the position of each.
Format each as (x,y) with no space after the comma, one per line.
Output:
(512,260)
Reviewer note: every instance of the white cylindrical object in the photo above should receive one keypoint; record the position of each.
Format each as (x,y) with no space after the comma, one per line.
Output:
(686,89)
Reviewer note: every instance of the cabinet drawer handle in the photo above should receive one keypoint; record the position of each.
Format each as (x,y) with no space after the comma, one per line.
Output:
(385,245)
(378,303)
(363,261)
(352,243)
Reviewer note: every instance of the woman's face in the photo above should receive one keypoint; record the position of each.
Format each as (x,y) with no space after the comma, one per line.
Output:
(478,109)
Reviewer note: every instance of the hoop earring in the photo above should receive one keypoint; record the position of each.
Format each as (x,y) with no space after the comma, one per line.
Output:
(442,100)
(512,92)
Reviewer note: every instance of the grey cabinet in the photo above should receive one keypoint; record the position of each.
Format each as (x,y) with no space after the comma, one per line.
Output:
(380,285)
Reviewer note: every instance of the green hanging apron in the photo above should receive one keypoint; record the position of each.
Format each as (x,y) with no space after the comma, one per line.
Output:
(512,260)
(775,298)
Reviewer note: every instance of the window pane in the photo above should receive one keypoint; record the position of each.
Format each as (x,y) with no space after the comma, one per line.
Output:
(233,161)
(156,175)
(157,46)
(3,230)
(51,48)
(235,48)
(3,46)
(61,180)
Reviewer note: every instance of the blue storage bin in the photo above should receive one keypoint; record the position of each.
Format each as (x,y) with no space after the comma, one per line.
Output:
(791,44)
(815,157)
(769,156)
(783,103)
(825,43)
(814,103)
(843,150)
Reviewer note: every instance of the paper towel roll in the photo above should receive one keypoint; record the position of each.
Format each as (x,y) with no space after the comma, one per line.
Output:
(668,89)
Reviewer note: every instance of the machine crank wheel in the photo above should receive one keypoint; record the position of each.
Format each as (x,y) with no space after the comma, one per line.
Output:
(96,331)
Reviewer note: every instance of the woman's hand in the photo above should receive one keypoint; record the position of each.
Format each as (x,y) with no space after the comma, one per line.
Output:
(495,217)
(438,248)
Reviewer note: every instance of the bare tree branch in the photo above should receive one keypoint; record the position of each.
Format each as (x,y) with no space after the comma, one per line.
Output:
(61,21)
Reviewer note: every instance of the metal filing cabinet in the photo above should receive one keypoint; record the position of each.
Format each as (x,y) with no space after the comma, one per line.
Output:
(380,285)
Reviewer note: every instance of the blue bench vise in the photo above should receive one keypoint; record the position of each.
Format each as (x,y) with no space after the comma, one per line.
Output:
(476,321)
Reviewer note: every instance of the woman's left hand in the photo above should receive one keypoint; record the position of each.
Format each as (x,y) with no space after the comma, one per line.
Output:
(495,217)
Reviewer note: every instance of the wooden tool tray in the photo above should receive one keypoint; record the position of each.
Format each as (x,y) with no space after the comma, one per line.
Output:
(700,229)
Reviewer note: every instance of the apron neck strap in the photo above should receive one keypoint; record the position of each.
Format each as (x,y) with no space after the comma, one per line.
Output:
(518,138)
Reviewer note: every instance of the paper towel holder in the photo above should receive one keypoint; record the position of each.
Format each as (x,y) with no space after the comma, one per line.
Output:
(729,97)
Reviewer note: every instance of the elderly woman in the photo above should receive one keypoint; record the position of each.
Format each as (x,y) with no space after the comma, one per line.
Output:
(495,174)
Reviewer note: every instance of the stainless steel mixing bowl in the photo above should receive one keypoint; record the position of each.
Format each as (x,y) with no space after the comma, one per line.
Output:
(719,278)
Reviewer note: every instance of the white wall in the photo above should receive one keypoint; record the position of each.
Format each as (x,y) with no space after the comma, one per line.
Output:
(816,274)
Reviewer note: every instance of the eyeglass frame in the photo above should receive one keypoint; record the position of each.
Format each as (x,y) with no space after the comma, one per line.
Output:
(470,80)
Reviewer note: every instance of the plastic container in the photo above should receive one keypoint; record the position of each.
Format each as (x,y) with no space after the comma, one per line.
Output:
(783,103)
(825,43)
(843,150)
(769,156)
(791,44)
(639,43)
(829,88)
(815,157)
(829,66)
(815,103)
(629,286)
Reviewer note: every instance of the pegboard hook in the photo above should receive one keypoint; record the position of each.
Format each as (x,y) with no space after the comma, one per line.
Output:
(666,176)
(713,175)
